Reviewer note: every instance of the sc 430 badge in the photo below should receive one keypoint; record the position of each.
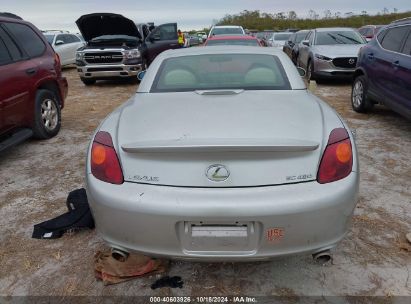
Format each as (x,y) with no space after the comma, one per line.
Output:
(301,177)
(145,178)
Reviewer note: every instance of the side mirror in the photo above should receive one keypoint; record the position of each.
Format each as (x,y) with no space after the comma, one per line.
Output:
(306,42)
(301,71)
(140,75)
(59,42)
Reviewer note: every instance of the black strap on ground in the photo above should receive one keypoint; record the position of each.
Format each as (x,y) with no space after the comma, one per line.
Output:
(78,217)
(167,281)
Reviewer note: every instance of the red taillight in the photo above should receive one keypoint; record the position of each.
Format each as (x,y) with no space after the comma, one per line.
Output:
(104,161)
(337,158)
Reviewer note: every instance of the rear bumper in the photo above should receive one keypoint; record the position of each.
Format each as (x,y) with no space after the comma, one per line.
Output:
(108,71)
(280,220)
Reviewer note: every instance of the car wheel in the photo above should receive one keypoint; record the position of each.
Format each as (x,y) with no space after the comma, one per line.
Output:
(310,70)
(47,115)
(88,82)
(360,101)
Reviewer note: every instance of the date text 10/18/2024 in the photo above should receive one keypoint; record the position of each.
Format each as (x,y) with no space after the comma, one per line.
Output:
(234,299)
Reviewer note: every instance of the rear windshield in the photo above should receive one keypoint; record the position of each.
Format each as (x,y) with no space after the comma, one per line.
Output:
(221,71)
(226,31)
(251,42)
(339,37)
(282,37)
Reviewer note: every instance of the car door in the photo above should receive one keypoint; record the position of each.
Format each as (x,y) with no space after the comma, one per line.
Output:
(304,51)
(75,44)
(387,61)
(403,83)
(163,37)
(15,83)
(63,47)
(289,44)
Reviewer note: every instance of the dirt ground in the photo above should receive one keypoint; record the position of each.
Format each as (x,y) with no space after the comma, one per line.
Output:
(36,176)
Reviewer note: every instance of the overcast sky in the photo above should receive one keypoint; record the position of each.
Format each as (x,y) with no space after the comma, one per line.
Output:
(189,14)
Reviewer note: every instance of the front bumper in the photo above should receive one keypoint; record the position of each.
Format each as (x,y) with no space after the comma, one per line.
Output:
(327,69)
(108,71)
(280,220)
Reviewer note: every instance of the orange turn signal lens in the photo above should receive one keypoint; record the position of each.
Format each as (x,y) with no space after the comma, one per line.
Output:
(98,154)
(343,152)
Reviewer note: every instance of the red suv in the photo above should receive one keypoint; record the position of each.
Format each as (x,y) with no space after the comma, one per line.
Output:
(32,89)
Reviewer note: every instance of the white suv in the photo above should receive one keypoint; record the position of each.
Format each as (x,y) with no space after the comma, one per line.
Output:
(226,30)
(65,44)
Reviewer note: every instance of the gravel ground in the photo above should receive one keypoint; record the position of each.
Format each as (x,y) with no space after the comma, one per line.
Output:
(36,176)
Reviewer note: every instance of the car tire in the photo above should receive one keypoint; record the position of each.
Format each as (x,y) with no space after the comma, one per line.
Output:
(310,70)
(360,101)
(88,82)
(47,115)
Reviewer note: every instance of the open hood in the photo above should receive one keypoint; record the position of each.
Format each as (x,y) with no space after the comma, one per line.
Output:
(99,24)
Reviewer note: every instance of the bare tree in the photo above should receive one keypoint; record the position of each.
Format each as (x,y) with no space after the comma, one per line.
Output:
(349,14)
(312,14)
(292,15)
(385,11)
(337,14)
(395,10)
(364,13)
(327,14)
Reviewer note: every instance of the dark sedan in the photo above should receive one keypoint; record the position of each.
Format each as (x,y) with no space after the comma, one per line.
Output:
(291,46)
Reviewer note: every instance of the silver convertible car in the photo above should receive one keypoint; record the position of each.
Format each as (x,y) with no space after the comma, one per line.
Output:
(223,154)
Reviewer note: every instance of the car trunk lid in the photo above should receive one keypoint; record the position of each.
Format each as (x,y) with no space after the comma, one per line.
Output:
(255,137)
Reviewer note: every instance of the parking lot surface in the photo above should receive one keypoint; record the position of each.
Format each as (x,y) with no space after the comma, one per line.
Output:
(36,176)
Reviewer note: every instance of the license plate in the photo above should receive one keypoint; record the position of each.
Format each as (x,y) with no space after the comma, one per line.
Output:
(219,231)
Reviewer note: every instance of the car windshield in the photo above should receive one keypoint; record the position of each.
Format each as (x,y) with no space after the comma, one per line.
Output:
(339,37)
(250,42)
(282,37)
(49,38)
(300,37)
(221,71)
(226,31)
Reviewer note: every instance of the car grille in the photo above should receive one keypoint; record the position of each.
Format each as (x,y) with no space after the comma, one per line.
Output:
(106,57)
(346,62)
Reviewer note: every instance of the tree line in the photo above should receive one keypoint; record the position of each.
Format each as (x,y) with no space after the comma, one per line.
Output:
(256,20)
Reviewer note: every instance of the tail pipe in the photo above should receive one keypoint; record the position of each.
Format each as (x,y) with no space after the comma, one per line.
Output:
(119,255)
(322,257)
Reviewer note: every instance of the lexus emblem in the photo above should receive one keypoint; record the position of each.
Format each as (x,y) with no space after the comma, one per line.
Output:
(217,173)
(351,61)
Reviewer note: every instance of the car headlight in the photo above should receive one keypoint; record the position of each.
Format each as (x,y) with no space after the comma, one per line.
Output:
(321,57)
(79,55)
(132,54)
